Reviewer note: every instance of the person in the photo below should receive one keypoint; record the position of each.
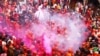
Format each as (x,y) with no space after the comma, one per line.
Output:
(10,51)
(77,53)
(69,53)
(1,50)
(68,4)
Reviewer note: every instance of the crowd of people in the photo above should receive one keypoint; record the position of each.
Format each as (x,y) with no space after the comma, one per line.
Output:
(16,14)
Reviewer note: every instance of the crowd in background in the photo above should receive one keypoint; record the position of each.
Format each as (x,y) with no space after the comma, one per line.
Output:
(16,13)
